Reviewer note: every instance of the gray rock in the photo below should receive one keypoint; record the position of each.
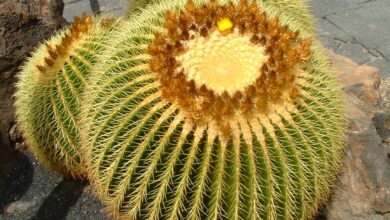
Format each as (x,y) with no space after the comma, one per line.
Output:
(115,12)
(71,1)
(381,122)
(109,5)
(383,66)
(330,43)
(77,8)
(385,51)
(327,29)
(19,206)
(368,24)
(354,51)
(322,8)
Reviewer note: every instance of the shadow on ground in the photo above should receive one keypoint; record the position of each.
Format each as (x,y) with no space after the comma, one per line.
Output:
(60,200)
(16,173)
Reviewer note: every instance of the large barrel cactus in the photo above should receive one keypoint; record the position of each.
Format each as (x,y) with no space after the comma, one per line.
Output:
(49,91)
(214,110)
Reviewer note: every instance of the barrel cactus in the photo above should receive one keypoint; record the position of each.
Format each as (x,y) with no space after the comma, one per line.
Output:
(214,109)
(49,92)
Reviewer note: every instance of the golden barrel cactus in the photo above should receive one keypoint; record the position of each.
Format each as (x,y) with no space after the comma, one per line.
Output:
(214,110)
(48,96)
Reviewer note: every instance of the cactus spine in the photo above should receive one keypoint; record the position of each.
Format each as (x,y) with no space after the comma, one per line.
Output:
(172,132)
(49,91)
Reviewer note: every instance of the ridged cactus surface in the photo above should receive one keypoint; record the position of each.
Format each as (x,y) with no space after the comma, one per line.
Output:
(214,110)
(49,92)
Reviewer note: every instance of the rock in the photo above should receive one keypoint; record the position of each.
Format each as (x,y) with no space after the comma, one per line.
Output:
(381,122)
(361,81)
(19,206)
(363,189)
(355,51)
(385,50)
(373,17)
(77,8)
(23,25)
(384,92)
(15,135)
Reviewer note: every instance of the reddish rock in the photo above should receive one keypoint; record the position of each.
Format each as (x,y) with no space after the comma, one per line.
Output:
(361,81)
(363,189)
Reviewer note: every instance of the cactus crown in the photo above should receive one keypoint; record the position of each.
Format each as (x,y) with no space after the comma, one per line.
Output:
(218,60)
(57,54)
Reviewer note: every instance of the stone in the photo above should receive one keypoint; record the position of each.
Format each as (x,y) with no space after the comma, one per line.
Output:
(22,25)
(381,122)
(385,51)
(15,135)
(327,29)
(330,43)
(384,92)
(115,13)
(365,23)
(109,5)
(383,65)
(354,51)
(77,8)
(19,206)
(71,1)
(111,8)
(322,8)
(363,188)
(362,81)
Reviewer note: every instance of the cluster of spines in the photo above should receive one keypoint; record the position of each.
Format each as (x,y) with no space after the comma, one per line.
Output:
(79,29)
(286,53)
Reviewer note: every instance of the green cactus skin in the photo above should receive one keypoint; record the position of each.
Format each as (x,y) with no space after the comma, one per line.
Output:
(49,91)
(150,159)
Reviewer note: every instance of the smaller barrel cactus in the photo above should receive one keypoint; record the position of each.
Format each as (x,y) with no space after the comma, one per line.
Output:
(49,92)
(214,110)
